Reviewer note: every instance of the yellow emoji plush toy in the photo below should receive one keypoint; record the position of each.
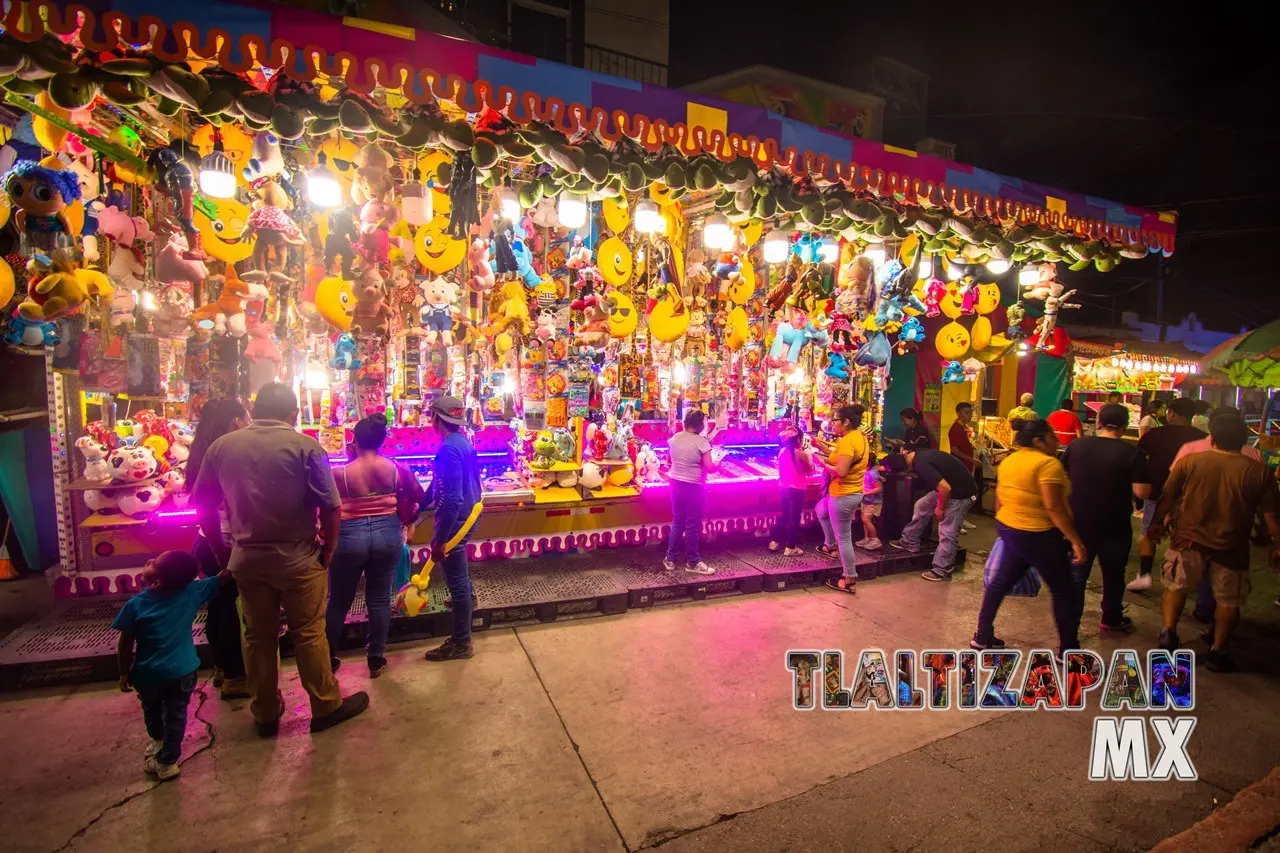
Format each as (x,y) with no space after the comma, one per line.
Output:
(435,249)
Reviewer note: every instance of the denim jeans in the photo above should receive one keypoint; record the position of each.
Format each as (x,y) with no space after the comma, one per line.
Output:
(369,547)
(787,533)
(687,503)
(838,530)
(1112,554)
(222,627)
(1048,552)
(164,710)
(458,578)
(944,559)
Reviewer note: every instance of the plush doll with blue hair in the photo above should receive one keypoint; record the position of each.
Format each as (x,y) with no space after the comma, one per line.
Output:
(952,373)
(40,197)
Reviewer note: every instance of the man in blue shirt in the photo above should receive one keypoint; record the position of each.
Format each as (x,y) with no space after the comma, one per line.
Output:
(455,495)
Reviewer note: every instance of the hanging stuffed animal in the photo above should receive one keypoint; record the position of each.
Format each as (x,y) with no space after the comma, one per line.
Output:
(579,257)
(57,286)
(172,168)
(587,295)
(1047,323)
(271,225)
(1015,314)
(788,339)
(952,372)
(262,346)
(837,366)
(935,290)
(546,329)
(30,333)
(340,241)
(372,190)
(972,369)
(123,303)
(173,266)
(40,197)
(344,354)
(266,161)
(372,315)
(593,331)
(226,315)
(125,230)
(876,352)
(482,277)
(438,297)
(464,208)
(910,335)
(125,267)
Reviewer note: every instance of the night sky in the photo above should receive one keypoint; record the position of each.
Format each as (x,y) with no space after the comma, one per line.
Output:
(1131,103)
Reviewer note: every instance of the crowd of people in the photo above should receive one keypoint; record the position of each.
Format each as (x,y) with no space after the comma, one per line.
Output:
(281,533)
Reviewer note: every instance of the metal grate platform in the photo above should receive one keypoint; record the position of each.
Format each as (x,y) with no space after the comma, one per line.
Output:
(74,643)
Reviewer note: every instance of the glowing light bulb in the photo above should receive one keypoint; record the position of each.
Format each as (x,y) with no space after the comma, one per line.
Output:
(317,377)
(679,373)
(571,210)
(509,204)
(1029,275)
(717,233)
(323,189)
(647,218)
(828,251)
(997,267)
(926,267)
(876,254)
(217,179)
(1115,362)
(508,385)
(777,246)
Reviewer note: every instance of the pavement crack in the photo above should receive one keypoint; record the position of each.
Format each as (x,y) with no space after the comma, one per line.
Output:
(577,750)
(124,801)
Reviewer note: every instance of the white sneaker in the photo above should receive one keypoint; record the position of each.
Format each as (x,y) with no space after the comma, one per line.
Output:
(152,748)
(871,544)
(773,546)
(1140,583)
(163,772)
(700,568)
(964,530)
(967,526)
(861,543)
(668,564)
(793,552)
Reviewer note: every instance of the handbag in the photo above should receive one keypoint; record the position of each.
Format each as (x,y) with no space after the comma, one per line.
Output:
(1028,586)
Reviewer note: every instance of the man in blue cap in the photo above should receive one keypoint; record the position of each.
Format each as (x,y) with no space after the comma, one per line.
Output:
(455,495)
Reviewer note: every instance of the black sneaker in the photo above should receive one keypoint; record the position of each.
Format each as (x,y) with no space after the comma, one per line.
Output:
(1217,661)
(1124,625)
(993,643)
(1169,640)
(903,546)
(334,662)
(351,706)
(376,665)
(449,650)
(272,727)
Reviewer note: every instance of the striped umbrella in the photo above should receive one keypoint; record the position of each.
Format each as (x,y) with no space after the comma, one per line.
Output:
(1250,359)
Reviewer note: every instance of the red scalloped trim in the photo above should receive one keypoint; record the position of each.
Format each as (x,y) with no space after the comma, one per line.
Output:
(363,75)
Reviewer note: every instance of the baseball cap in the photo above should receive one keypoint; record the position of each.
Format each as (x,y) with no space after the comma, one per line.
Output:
(450,410)
(1114,416)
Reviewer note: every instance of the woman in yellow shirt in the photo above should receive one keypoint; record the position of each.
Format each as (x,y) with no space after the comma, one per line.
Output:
(846,465)
(1036,531)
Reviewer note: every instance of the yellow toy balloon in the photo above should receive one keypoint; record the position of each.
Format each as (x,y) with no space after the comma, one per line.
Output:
(436,249)
(617,215)
(623,316)
(429,171)
(7,286)
(751,232)
(614,261)
(988,298)
(952,342)
(950,304)
(741,291)
(736,330)
(981,333)
(335,301)
(668,320)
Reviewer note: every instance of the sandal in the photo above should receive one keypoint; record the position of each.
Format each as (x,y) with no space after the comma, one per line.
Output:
(838,587)
(827,551)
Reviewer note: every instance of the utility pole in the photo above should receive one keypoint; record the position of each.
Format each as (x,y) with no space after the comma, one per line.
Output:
(1160,295)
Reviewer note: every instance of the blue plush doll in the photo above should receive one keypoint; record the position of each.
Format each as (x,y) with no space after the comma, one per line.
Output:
(31,333)
(876,352)
(788,338)
(344,354)
(806,247)
(952,373)
(524,257)
(837,366)
(912,332)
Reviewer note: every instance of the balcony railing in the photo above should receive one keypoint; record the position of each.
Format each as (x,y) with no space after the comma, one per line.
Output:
(596,58)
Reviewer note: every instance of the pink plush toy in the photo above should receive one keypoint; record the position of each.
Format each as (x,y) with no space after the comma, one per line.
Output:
(262,345)
(172,266)
(482,278)
(124,229)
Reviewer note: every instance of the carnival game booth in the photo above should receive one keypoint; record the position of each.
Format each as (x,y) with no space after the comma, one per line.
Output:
(1138,371)
(379,216)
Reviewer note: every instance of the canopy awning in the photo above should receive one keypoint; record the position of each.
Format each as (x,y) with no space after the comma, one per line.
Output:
(309,46)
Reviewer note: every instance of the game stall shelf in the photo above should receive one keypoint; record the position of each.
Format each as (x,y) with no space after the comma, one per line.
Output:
(203,202)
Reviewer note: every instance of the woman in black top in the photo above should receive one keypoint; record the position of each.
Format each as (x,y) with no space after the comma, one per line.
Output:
(917,436)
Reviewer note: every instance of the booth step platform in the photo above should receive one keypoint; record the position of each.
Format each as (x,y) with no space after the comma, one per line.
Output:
(74,643)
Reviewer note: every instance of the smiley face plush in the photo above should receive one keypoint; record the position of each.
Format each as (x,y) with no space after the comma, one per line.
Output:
(617,215)
(952,341)
(335,301)
(340,157)
(622,314)
(435,249)
(223,224)
(988,297)
(614,261)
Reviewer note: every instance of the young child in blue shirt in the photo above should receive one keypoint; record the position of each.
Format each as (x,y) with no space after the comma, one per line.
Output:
(163,672)
(872,503)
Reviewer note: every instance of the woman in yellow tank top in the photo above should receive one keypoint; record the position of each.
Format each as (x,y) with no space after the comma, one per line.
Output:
(1036,531)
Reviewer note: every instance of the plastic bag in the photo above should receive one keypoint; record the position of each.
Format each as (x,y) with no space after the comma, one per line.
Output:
(1028,586)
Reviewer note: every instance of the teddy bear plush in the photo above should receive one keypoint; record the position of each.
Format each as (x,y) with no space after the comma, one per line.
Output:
(438,297)
(372,315)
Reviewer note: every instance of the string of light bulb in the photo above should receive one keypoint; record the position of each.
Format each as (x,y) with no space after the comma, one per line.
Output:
(1155,365)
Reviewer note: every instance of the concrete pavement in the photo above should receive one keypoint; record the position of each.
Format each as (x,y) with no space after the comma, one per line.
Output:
(669,728)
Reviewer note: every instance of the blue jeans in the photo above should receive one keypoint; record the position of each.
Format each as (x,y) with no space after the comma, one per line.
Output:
(944,559)
(787,533)
(458,578)
(369,547)
(687,503)
(164,710)
(838,531)
(1049,553)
